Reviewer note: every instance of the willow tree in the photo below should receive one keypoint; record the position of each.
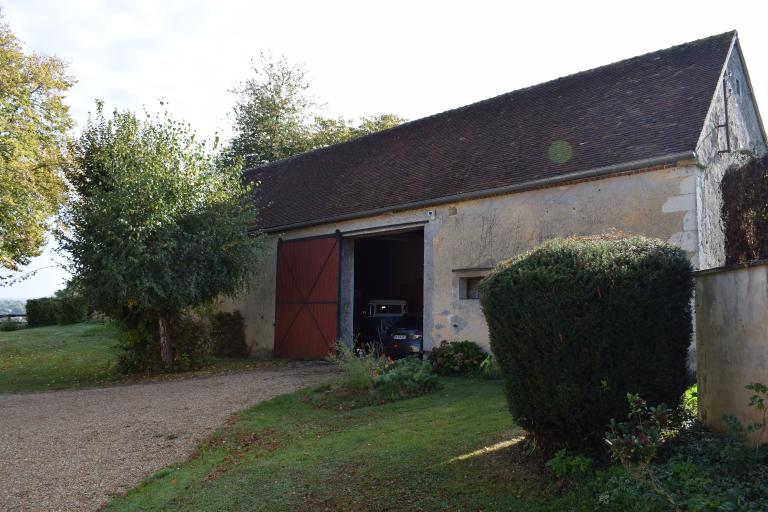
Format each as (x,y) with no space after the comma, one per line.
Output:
(155,225)
(34,122)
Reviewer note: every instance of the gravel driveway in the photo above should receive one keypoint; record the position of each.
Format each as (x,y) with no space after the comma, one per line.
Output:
(69,450)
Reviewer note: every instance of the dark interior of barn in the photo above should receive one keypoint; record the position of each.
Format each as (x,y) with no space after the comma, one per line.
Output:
(389,281)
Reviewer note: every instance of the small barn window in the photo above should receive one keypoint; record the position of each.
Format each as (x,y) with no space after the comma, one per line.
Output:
(470,288)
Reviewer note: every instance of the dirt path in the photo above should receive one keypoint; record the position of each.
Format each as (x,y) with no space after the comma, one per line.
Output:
(69,450)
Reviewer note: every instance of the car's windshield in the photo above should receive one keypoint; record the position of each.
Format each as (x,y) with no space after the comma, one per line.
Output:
(409,322)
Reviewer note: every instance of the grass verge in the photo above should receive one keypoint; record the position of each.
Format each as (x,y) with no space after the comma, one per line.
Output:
(455,449)
(69,356)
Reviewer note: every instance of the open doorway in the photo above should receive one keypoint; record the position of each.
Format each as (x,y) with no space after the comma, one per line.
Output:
(389,291)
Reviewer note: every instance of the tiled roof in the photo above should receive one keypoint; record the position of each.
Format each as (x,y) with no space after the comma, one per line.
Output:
(637,109)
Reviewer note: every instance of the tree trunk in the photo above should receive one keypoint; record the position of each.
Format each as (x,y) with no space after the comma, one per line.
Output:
(166,342)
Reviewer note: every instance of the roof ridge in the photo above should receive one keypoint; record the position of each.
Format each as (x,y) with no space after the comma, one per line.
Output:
(307,154)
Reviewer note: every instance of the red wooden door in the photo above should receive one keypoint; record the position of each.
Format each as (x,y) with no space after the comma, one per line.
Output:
(307,297)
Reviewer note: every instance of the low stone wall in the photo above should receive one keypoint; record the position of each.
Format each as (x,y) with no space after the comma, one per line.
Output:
(731,339)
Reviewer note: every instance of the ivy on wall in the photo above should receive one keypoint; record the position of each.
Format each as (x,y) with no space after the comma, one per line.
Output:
(745,211)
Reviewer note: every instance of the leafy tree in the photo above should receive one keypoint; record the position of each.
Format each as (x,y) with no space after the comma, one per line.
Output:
(155,227)
(276,117)
(327,131)
(34,122)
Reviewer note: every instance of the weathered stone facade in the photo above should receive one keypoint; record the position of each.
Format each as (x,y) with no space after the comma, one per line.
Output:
(721,145)
(678,202)
(466,238)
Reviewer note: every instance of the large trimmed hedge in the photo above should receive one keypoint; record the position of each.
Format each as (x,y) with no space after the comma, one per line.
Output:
(42,311)
(576,324)
(56,310)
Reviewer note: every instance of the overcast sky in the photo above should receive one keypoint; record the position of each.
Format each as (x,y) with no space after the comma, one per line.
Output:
(409,58)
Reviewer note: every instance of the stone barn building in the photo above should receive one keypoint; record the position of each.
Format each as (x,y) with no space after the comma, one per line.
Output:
(419,213)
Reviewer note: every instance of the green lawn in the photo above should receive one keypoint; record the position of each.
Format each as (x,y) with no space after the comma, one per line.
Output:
(57,357)
(456,449)
(67,356)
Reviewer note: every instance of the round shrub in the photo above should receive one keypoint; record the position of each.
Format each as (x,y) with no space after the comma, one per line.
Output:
(457,358)
(578,323)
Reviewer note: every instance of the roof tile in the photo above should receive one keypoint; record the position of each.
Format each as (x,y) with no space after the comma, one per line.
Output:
(640,108)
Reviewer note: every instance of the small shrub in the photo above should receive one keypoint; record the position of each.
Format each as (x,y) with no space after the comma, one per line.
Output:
(193,342)
(700,469)
(690,404)
(569,466)
(10,326)
(457,358)
(489,368)
(369,379)
(358,367)
(139,343)
(43,311)
(576,324)
(228,333)
(405,378)
(635,443)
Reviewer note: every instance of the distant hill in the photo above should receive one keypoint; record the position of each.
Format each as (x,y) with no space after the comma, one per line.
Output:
(12,306)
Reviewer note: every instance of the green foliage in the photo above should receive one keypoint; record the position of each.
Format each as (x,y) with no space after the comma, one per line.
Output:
(34,122)
(575,325)
(405,378)
(358,367)
(275,117)
(139,343)
(489,368)
(690,404)
(704,471)
(10,326)
(72,310)
(368,379)
(636,441)
(156,226)
(228,334)
(745,211)
(758,402)
(569,466)
(457,358)
(194,343)
(42,311)
(68,306)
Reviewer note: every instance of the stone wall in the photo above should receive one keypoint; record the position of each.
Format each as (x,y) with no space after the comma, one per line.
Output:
(722,145)
(464,239)
(732,340)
